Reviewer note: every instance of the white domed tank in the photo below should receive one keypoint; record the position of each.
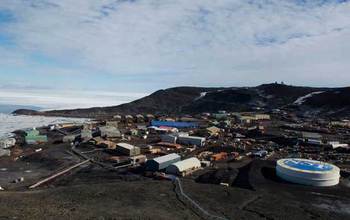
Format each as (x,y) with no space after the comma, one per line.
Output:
(308,172)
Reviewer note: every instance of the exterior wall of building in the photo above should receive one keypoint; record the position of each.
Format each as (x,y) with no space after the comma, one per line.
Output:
(110,132)
(86,134)
(308,172)
(7,142)
(174,124)
(33,137)
(262,117)
(129,151)
(191,140)
(68,138)
(168,138)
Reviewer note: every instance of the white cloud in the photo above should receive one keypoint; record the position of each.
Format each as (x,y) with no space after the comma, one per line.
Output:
(201,42)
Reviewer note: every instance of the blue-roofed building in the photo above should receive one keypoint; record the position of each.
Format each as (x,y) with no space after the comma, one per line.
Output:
(174,124)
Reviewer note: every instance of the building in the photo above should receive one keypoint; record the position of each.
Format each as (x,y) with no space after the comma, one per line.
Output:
(168,145)
(191,140)
(5,152)
(260,153)
(86,134)
(110,132)
(162,129)
(336,144)
(33,137)
(219,156)
(312,138)
(220,115)
(246,119)
(140,118)
(104,143)
(128,149)
(150,117)
(68,138)
(112,123)
(262,117)
(138,159)
(129,118)
(117,117)
(160,163)
(168,138)
(133,132)
(213,131)
(308,172)
(174,124)
(184,167)
(7,142)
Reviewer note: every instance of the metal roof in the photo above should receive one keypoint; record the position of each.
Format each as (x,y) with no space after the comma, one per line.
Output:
(174,124)
(127,146)
(311,135)
(166,158)
(187,164)
(306,165)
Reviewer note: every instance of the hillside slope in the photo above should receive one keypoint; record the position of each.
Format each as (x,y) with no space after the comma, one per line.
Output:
(308,100)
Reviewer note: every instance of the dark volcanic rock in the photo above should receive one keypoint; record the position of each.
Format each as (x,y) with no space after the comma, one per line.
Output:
(25,112)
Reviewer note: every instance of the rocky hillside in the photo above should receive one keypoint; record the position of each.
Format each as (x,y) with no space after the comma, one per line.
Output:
(308,100)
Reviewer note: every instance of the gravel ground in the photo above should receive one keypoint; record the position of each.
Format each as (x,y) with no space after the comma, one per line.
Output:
(94,193)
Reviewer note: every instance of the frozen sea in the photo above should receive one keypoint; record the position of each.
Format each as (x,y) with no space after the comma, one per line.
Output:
(10,123)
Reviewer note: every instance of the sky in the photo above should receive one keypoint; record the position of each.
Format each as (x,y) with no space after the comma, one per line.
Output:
(82,53)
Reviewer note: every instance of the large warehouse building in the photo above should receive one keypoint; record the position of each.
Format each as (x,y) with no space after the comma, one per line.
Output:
(160,163)
(308,172)
(184,167)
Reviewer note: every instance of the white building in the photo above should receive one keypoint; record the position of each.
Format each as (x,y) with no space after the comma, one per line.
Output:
(7,142)
(184,167)
(336,144)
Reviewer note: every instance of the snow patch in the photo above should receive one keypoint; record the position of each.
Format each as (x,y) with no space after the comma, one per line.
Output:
(302,99)
(201,95)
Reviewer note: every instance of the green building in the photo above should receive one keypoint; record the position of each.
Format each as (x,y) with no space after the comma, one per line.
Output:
(33,137)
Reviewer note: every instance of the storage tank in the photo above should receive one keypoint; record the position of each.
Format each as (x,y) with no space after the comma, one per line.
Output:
(308,172)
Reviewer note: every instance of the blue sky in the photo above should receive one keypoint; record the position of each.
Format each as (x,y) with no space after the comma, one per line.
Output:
(135,47)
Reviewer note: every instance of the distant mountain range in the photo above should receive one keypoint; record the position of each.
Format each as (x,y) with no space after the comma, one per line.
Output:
(182,100)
